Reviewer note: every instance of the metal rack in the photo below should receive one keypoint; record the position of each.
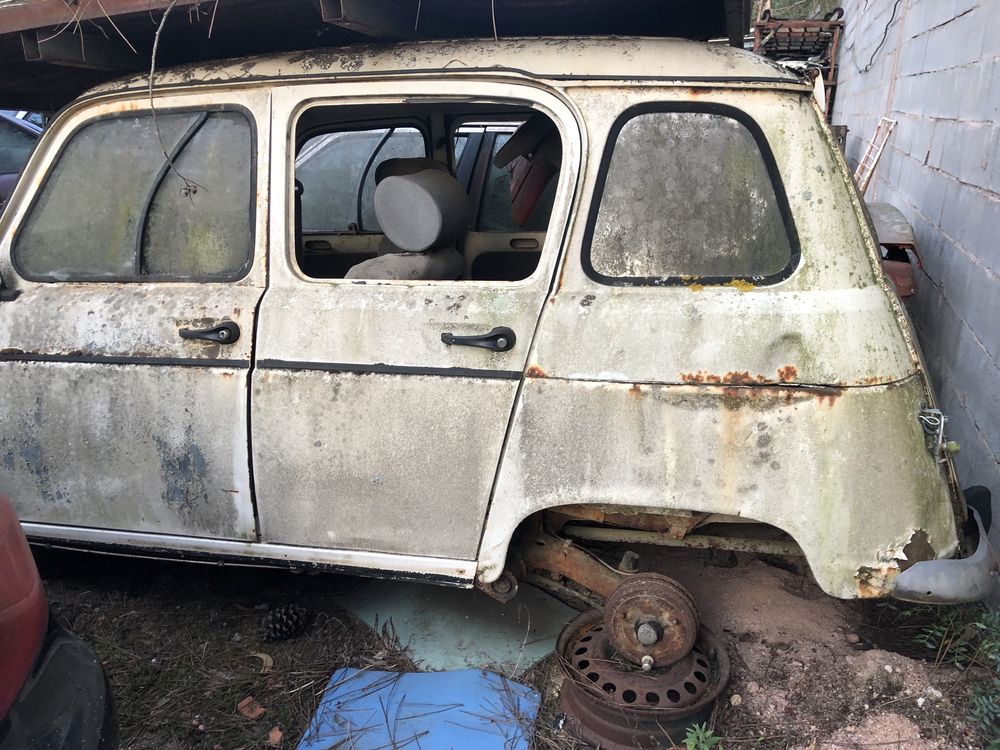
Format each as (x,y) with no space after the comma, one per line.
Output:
(812,42)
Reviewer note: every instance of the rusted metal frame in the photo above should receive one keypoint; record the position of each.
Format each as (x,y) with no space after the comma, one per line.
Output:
(552,554)
(41,14)
(677,525)
(696,541)
(77,50)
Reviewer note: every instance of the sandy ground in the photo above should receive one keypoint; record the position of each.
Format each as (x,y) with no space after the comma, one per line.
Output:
(807,669)
(181,645)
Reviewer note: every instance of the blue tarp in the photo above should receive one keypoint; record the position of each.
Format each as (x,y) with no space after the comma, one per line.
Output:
(469,708)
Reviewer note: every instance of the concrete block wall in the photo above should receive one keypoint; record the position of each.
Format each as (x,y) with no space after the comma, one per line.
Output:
(934,67)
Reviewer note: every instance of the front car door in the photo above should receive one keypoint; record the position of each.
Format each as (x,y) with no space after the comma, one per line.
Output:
(370,433)
(135,247)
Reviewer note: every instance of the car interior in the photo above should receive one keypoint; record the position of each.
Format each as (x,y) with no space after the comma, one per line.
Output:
(423,192)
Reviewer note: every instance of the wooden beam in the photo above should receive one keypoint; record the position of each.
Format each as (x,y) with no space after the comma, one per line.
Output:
(27,15)
(379,19)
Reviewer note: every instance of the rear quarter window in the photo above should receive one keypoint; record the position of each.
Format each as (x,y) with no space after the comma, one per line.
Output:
(688,196)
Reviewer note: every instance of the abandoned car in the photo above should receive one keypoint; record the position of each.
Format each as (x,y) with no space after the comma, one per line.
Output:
(456,311)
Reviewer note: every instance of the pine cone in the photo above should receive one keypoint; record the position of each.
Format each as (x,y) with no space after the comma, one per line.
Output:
(284,622)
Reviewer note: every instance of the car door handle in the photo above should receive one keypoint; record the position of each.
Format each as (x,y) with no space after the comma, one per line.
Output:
(226,332)
(500,339)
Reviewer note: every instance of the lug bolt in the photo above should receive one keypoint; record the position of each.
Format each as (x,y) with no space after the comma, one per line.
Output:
(647,663)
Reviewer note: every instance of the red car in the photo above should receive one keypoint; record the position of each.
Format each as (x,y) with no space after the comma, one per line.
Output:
(53,692)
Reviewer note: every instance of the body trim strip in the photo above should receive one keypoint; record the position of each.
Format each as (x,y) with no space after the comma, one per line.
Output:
(101,359)
(383,369)
(438,569)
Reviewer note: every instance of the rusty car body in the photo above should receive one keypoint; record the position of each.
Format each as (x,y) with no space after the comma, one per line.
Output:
(701,347)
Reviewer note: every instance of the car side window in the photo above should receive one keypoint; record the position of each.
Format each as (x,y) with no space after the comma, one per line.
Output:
(688,196)
(16,146)
(496,207)
(175,201)
(337,174)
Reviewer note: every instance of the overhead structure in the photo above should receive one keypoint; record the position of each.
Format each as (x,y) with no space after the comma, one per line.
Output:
(811,44)
(52,50)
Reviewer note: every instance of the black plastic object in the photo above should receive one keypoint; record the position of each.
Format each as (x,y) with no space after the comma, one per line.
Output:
(65,704)
(226,332)
(500,339)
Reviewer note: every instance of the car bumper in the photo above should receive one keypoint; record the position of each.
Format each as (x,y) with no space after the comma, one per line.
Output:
(970,579)
(65,704)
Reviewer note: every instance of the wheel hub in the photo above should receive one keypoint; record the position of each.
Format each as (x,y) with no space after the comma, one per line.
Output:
(651,620)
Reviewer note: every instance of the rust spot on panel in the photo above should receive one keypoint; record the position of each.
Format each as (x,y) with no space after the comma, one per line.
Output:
(826,396)
(730,378)
(696,287)
(787,374)
(876,582)
(740,285)
(695,378)
(871,380)
(743,378)
(635,389)
(534,371)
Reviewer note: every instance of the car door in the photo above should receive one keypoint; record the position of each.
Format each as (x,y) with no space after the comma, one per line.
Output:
(134,261)
(370,433)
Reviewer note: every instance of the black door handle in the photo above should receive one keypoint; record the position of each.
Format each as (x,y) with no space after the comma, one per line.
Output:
(226,332)
(500,339)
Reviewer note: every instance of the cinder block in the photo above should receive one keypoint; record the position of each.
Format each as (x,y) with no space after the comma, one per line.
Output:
(975,103)
(973,294)
(975,376)
(989,12)
(973,159)
(912,56)
(972,218)
(941,143)
(943,92)
(936,12)
(957,42)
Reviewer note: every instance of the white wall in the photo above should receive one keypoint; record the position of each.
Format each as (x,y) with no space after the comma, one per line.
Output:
(938,75)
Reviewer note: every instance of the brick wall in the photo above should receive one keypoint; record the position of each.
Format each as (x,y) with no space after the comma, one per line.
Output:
(937,74)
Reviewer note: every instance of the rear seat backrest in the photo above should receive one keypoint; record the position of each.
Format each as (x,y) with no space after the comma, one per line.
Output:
(396,168)
(423,214)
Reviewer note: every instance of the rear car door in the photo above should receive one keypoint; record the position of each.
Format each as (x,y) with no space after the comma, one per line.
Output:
(370,432)
(135,249)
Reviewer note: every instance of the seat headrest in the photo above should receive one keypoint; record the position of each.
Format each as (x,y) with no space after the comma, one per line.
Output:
(422,211)
(403,166)
(537,135)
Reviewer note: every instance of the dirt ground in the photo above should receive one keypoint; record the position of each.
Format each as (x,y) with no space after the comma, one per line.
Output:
(182,647)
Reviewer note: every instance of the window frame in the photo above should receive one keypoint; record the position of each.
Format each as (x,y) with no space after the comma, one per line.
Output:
(237,275)
(770,164)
